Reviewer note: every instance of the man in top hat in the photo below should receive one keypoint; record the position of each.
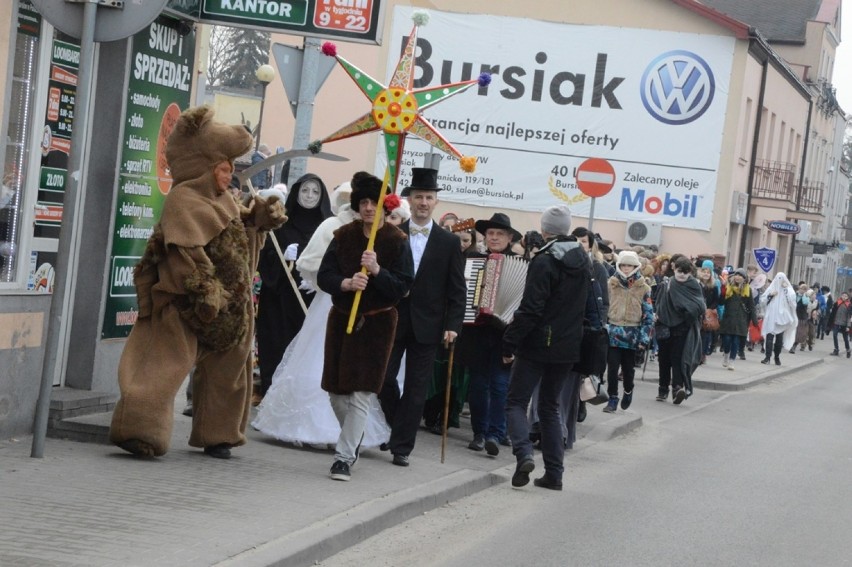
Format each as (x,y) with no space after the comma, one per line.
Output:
(479,350)
(431,313)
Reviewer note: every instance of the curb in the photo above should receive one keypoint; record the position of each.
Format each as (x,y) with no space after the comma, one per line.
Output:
(738,386)
(332,535)
(614,427)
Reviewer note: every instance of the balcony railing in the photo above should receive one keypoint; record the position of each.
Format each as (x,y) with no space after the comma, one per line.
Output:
(774,180)
(810,200)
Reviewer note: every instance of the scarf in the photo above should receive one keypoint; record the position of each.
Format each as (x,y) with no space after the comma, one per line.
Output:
(743,290)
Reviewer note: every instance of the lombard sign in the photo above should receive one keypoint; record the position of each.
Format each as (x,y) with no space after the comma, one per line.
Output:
(783,227)
(350,20)
(650,102)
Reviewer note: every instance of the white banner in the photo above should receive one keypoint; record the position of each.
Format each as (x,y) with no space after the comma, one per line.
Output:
(651,103)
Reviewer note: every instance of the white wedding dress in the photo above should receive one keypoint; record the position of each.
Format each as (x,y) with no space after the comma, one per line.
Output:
(296,409)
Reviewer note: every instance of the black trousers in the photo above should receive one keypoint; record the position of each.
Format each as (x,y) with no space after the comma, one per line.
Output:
(670,361)
(404,412)
(625,358)
(774,344)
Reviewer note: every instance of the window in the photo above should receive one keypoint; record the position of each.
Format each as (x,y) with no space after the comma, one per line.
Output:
(18,141)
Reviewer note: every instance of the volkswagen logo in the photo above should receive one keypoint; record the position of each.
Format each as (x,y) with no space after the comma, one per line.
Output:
(677,87)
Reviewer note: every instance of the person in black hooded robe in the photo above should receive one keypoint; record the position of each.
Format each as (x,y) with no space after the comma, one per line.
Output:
(279,313)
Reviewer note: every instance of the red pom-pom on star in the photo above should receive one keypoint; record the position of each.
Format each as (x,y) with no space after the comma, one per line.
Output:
(329,49)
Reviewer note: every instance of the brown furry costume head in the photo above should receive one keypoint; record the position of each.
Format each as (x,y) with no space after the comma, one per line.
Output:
(198,143)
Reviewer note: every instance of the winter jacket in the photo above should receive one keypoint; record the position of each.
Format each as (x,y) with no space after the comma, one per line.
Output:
(739,310)
(631,313)
(840,313)
(548,325)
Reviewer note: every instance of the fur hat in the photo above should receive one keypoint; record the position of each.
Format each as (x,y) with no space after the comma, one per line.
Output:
(198,143)
(629,258)
(279,190)
(556,220)
(364,186)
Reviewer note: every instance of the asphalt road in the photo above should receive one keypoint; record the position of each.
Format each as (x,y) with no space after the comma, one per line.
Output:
(759,477)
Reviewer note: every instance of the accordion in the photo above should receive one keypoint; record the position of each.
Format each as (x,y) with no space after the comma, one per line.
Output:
(495,286)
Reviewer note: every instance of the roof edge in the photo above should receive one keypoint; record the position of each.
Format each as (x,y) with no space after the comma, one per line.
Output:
(740,29)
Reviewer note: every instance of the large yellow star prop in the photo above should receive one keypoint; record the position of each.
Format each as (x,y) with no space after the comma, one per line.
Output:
(396,107)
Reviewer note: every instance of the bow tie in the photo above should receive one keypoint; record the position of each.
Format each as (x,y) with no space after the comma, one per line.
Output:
(415,230)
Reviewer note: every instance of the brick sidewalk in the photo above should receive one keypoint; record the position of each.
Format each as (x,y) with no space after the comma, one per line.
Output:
(87,504)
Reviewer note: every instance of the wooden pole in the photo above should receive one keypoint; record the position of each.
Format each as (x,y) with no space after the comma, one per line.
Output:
(370,244)
(452,348)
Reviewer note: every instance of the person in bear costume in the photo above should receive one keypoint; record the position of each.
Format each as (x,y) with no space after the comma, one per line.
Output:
(193,285)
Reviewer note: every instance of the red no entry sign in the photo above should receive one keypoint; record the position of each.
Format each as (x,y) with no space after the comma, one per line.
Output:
(595,177)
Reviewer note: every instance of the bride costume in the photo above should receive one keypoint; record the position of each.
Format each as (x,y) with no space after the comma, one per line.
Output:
(295,408)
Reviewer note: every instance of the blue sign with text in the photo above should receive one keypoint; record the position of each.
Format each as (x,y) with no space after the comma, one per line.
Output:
(765,258)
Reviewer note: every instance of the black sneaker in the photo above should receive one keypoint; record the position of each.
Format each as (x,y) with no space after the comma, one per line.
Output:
(662,396)
(626,400)
(679,395)
(478,443)
(339,471)
(582,413)
(522,472)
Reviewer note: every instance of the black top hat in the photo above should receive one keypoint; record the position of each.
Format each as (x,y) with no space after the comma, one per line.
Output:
(422,179)
(498,220)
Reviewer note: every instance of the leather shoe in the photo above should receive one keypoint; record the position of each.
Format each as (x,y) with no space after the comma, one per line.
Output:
(384,447)
(522,472)
(400,460)
(545,482)
(220,451)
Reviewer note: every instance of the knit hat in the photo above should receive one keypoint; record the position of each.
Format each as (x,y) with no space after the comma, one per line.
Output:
(557,220)
(708,265)
(340,196)
(628,257)
(741,272)
(364,186)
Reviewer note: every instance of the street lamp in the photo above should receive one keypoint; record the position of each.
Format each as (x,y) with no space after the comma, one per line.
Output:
(265,74)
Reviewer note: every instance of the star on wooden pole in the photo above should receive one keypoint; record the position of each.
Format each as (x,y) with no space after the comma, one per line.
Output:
(397,107)
(396,111)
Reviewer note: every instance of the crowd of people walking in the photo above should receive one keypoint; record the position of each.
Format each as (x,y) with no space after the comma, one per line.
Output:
(365,322)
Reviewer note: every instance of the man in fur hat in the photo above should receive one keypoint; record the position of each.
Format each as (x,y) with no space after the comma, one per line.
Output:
(193,286)
(355,364)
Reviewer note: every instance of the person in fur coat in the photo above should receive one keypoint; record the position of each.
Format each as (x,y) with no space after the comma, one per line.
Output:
(355,364)
(193,286)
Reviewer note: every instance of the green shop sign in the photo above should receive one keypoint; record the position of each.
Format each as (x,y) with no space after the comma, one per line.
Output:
(350,20)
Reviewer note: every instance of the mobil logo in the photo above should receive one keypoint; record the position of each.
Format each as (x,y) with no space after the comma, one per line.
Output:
(668,205)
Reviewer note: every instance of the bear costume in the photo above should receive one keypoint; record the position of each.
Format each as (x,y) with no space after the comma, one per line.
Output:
(193,285)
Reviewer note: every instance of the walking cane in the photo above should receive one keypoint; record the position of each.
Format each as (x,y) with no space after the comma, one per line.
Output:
(452,348)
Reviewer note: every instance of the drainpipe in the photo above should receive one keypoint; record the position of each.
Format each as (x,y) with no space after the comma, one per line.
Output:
(801,180)
(757,122)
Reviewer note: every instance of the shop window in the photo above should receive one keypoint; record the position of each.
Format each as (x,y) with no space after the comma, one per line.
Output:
(20,115)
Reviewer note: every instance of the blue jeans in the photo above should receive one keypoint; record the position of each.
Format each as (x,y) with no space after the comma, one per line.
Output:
(731,345)
(551,378)
(487,397)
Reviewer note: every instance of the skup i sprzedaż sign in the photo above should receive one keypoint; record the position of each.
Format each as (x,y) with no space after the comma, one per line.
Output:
(783,227)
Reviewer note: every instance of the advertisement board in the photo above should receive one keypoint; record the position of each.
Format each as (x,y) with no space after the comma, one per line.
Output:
(652,103)
(349,20)
(158,91)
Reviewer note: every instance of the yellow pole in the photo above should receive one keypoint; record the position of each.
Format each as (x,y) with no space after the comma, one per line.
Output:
(370,243)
